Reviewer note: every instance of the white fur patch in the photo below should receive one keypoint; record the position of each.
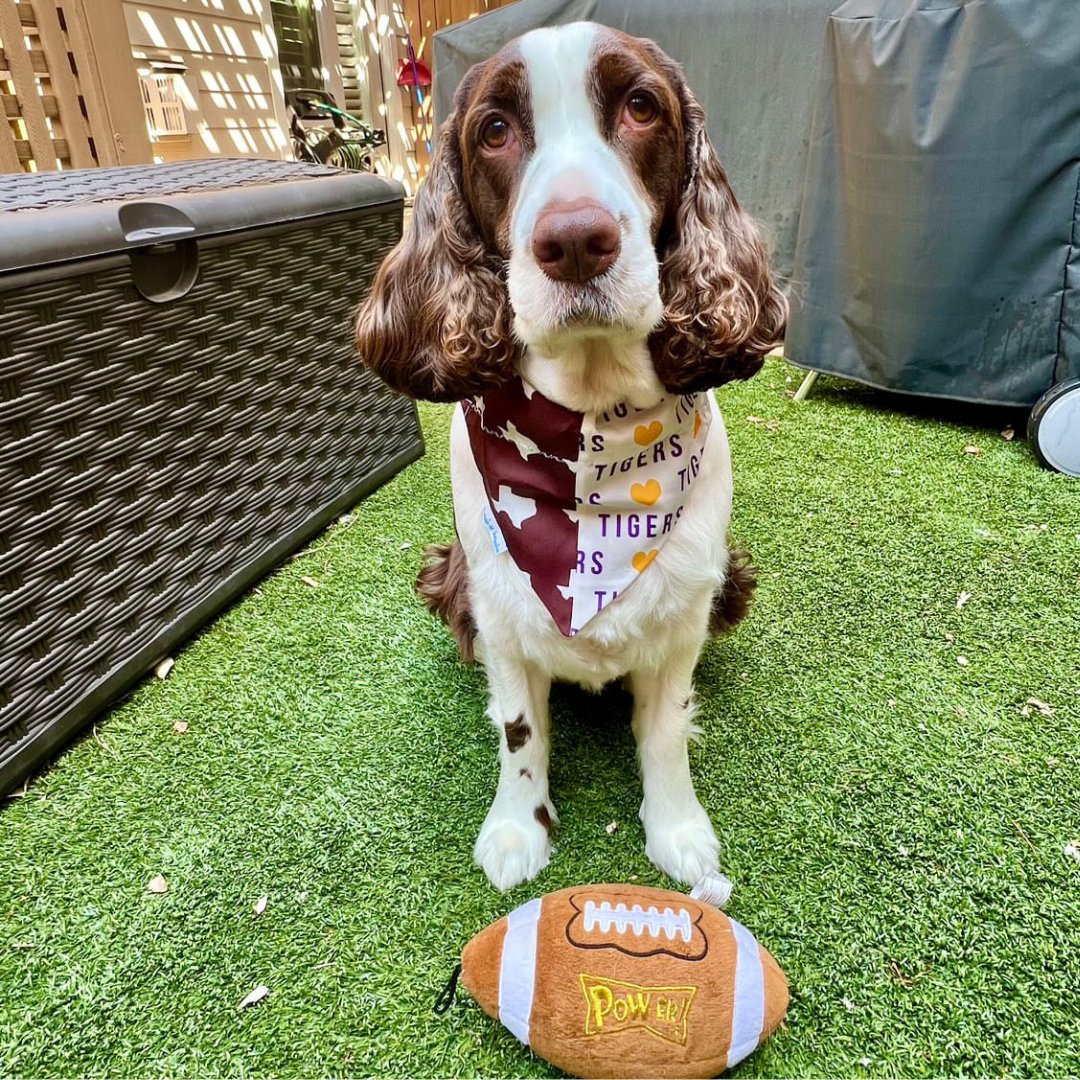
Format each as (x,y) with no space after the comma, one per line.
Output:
(573,160)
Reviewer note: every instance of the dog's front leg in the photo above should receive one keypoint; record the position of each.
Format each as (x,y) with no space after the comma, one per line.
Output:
(514,842)
(679,837)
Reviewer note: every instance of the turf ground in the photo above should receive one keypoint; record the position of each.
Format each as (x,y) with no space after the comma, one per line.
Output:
(895,820)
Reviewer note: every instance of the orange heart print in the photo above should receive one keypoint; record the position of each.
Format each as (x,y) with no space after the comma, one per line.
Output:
(646,494)
(648,433)
(642,559)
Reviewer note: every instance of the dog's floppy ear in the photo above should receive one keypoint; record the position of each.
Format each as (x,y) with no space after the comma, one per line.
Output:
(722,310)
(437,323)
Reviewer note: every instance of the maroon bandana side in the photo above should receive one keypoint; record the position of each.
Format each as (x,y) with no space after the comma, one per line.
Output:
(526,448)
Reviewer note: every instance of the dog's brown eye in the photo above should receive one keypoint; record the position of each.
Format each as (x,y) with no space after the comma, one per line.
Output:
(641,108)
(495,133)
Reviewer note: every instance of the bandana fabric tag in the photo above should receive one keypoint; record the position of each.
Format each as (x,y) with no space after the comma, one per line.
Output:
(583,502)
(497,541)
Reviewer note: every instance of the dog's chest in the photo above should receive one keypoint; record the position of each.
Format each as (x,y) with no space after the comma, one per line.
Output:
(669,595)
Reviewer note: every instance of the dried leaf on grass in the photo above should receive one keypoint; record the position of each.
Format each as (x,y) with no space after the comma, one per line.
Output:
(899,976)
(310,582)
(769,425)
(1035,703)
(157,884)
(1024,836)
(611,827)
(260,905)
(962,599)
(163,669)
(102,743)
(975,451)
(180,727)
(260,993)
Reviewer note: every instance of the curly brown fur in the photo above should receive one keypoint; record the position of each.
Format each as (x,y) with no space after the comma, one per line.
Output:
(443,585)
(722,309)
(437,323)
(731,604)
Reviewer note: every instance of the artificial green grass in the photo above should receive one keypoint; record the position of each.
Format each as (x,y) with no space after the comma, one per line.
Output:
(894,822)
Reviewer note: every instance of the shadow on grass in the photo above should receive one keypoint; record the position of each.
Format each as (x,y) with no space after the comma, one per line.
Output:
(592,744)
(851,395)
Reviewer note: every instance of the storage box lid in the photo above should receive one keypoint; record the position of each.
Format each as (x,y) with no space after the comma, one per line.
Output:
(46,218)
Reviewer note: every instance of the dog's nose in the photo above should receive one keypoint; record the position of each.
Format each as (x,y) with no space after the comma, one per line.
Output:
(575,241)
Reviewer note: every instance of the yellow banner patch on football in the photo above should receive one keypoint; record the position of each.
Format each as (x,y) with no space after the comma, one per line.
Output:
(613,1006)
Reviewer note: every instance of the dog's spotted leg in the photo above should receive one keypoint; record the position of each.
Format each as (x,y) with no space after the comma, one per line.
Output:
(679,837)
(514,844)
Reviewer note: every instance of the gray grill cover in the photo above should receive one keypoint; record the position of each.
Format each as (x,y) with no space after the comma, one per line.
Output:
(938,252)
(931,231)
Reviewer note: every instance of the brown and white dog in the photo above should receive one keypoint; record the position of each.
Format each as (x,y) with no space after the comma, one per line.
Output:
(577,235)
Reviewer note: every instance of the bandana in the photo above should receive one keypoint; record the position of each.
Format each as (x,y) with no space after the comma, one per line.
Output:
(583,502)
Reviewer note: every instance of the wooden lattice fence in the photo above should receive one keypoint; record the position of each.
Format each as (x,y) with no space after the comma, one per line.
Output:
(55,112)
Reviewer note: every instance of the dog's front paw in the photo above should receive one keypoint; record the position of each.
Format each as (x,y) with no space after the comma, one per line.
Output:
(513,847)
(684,847)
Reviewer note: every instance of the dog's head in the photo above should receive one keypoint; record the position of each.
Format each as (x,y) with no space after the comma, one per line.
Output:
(574,193)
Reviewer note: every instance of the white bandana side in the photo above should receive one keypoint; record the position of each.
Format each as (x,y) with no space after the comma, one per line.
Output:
(634,476)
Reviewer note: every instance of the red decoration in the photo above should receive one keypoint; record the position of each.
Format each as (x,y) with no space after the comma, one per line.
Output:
(406,76)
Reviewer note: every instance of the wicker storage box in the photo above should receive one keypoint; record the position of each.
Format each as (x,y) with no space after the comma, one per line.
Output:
(180,406)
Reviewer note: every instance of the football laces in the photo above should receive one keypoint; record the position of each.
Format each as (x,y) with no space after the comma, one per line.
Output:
(638,920)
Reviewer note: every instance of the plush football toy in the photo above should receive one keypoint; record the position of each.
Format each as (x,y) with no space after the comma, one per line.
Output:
(624,980)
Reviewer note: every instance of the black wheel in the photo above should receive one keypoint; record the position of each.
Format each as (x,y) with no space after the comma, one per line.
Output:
(1054,428)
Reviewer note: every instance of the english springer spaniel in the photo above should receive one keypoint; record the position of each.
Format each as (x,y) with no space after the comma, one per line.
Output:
(578,274)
